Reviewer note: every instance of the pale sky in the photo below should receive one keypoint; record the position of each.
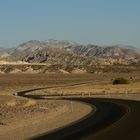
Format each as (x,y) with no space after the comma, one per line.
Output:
(101,22)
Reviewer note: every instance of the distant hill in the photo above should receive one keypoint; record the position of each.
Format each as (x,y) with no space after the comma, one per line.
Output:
(130,47)
(69,53)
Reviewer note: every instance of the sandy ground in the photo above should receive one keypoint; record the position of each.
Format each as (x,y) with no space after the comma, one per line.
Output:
(22,118)
(90,89)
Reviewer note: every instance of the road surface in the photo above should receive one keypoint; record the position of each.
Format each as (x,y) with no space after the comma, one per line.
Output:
(114,120)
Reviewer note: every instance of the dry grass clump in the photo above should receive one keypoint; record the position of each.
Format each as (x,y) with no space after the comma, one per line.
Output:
(11,103)
(30,103)
(120,81)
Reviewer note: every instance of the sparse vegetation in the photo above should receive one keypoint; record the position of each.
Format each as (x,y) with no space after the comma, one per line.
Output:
(120,81)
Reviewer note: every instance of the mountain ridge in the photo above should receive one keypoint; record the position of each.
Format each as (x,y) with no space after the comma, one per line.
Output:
(69,53)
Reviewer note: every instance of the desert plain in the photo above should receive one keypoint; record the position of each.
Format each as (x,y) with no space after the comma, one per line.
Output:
(22,118)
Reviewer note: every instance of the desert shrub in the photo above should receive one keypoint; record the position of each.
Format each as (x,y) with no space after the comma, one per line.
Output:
(120,81)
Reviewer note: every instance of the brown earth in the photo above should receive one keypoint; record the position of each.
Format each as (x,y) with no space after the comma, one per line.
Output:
(36,117)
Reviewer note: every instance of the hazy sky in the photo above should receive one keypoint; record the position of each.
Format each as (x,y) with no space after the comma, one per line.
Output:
(101,22)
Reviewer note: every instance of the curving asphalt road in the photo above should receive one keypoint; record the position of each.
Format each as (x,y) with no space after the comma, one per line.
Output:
(114,120)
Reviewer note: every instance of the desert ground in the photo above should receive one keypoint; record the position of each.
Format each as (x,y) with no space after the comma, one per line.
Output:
(22,118)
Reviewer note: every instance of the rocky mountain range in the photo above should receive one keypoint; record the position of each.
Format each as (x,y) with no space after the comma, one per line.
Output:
(70,53)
